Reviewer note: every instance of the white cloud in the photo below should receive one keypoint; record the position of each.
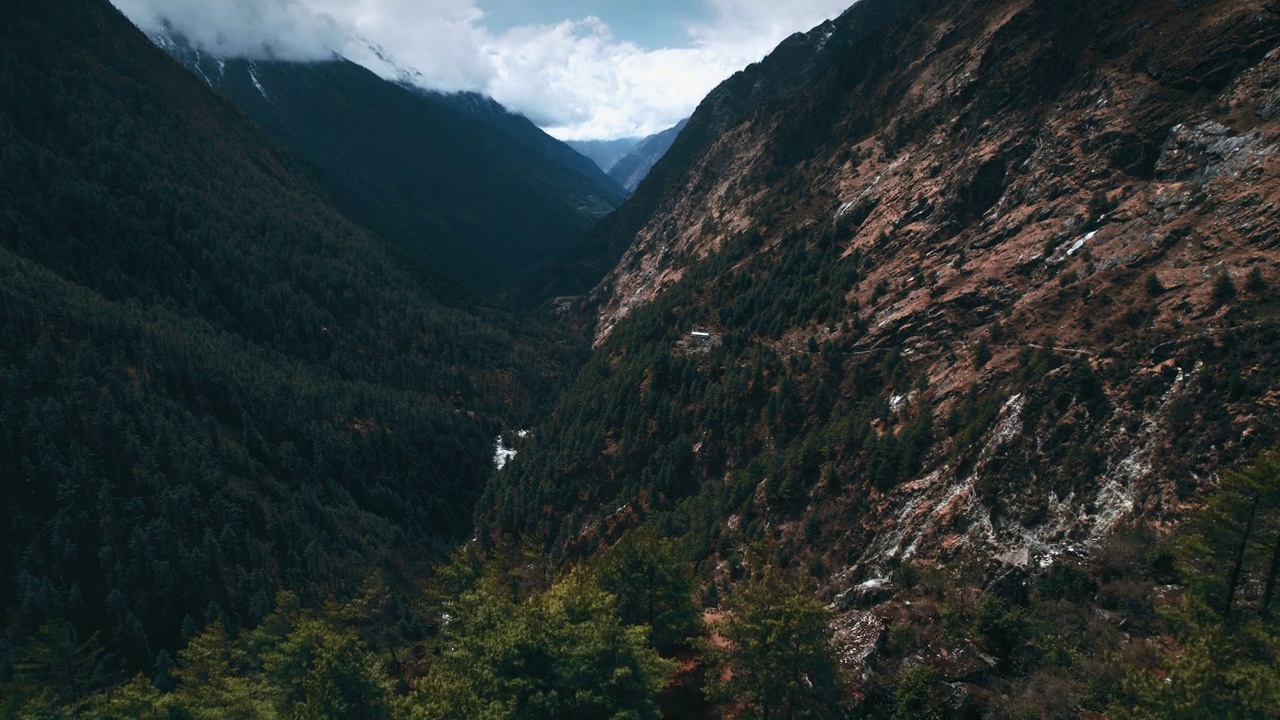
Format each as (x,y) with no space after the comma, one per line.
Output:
(752,28)
(284,29)
(574,78)
(577,81)
(443,39)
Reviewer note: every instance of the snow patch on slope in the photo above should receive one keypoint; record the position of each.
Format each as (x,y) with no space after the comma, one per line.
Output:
(253,75)
(503,454)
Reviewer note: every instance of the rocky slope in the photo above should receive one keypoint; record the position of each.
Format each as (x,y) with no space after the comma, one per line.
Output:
(1023,251)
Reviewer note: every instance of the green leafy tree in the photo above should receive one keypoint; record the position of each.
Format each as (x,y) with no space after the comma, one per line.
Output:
(211,679)
(781,662)
(562,653)
(1236,537)
(296,664)
(1228,662)
(58,662)
(652,586)
(136,700)
(1217,674)
(340,681)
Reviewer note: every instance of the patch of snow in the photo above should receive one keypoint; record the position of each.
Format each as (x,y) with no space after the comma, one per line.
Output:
(953,493)
(827,31)
(1080,243)
(897,401)
(844,208)
(900,528)
(1020,557)
(1115,500)
(253,75)
(503,454)
(1118,495)
(875,584)
(1010,424)
(873,182)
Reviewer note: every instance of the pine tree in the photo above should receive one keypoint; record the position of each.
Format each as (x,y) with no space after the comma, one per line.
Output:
(652,587)
(781,662)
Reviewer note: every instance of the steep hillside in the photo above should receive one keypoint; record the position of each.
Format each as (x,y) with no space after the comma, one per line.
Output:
(799,61)
(478,193)
(935,276)
(555,156)
(214,385)
(632,168)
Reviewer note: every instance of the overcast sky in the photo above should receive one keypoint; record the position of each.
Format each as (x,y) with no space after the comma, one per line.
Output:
(581,69)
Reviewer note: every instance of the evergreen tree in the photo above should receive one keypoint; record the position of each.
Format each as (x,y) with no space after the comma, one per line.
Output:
(562,653)
(652,587)
(1236,537)
(780,662)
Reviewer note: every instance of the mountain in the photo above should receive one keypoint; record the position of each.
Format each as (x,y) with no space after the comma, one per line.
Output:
(553,154)
(933,377)
(631,169)
(605,153)
(936,277)
(629,160)
(474,191)
(217,386)
(791,68)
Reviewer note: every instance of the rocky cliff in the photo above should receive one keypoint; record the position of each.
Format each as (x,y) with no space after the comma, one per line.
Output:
(971,274)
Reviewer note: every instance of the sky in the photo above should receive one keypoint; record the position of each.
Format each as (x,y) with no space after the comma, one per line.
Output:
(580,69)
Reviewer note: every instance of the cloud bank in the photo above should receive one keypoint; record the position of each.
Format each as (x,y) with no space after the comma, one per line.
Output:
(574,78)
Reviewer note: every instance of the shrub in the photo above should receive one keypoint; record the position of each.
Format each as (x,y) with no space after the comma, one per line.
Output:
(1154,286)
(1254,283)
(1223,289)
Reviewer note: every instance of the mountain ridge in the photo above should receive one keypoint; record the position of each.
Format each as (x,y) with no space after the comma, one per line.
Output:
(605,153)
(975,283)
(795,63)
(630,170)
(422,168)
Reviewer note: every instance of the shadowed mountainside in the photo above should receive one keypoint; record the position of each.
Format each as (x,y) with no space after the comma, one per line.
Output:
(473,191)
(215,385)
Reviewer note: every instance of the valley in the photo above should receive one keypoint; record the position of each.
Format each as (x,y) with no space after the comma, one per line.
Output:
(926,371)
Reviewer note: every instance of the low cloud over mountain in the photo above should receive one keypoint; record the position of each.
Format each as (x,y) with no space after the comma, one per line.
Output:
(576,77)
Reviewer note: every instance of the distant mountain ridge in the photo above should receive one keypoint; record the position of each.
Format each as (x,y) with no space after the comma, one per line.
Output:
(605,153)
(631,169)
(471,189)
(628,160)
(516,126)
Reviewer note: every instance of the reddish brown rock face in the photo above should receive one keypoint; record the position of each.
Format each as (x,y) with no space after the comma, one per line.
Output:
(1065,219)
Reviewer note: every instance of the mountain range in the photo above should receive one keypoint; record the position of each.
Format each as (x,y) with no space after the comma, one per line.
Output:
(629,160)
(605,153)
(928,373)
(473,191)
